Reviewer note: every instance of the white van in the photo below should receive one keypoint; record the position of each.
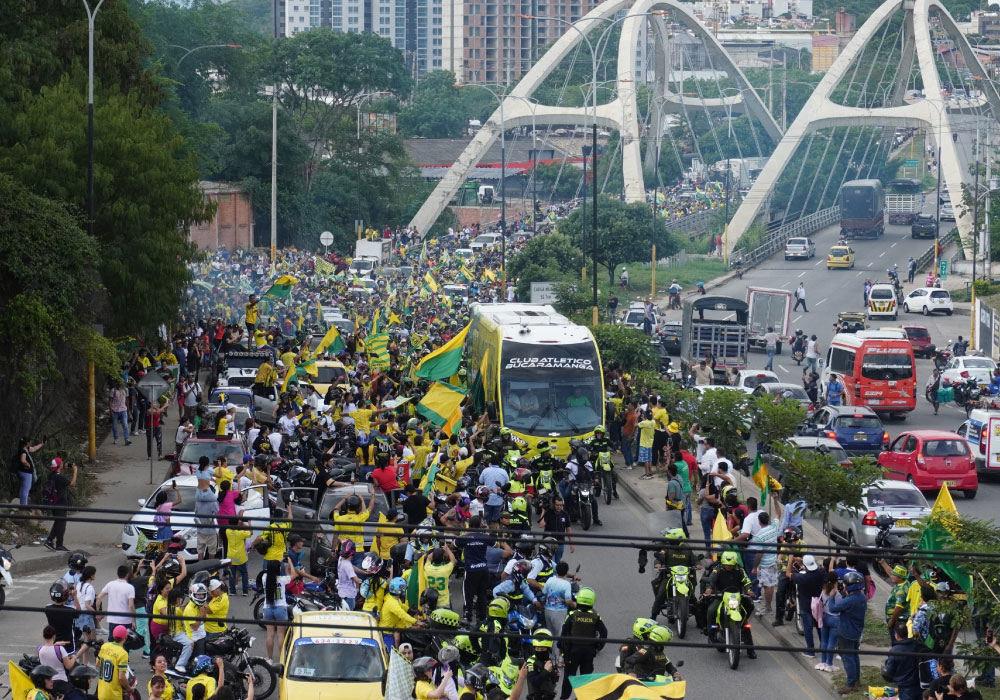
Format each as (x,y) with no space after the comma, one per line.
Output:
(882,302)
(485,240)
(982,431)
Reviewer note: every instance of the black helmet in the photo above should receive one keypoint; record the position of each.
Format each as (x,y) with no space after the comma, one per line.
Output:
(83,671)
(476,677)
(59,592)
(429,598)
(77,560)
(172,566)
(41,673)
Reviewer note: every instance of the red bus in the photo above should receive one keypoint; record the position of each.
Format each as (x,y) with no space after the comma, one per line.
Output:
(877,369)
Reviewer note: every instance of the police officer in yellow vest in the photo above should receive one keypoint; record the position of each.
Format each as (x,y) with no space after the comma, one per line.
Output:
(583,621)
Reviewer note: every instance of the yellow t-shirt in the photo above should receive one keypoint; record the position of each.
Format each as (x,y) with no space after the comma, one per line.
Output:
(420,458)
(661,418)
(160,608)
(112,659)
(224,474)
(218,611)
(237,545)
(913,597)
(168,690)
(461,466)
(646,430)
(288,358)
(277,533)
(170,357)
(221,427)
(422,690)
(438,577)
(394,614)
(201,679)
(191,610)
(387,536)
(251,319)
(263,373)
(348,526)
(362,419)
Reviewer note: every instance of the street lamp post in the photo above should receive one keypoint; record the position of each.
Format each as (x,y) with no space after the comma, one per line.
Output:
(199,48)
(91,15)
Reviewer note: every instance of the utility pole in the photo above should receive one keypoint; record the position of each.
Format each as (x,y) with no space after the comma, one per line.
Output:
(593,167)
(975,210)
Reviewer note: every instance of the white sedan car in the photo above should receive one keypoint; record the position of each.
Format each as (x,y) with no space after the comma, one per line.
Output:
(750,379)
(927,300)
(979,367)
(140,529)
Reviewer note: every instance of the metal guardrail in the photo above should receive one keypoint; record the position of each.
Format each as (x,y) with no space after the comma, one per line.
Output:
(692,224)
(928,255)
(775,241)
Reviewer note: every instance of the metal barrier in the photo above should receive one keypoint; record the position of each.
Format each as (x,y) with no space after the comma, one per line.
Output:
(927,256)
(775,241)
(693,224)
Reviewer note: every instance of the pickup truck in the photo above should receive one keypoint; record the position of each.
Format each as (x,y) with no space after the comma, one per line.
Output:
(924,226)
(902,208)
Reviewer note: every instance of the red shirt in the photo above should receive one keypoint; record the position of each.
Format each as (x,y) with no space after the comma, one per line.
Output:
(692,467)
(385,478)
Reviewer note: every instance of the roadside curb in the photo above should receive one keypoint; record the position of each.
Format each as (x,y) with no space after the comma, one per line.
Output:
(26,567)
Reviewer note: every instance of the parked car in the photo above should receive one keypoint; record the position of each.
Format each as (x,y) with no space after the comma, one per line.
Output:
(791,392)
(800,248)
(670,336)
(900,500)
(140,530)
(979,367)
(923,226)
(330,654)
(927,300)
(750,379)
(929,459)
(857,429)
(821,444)
(920,340)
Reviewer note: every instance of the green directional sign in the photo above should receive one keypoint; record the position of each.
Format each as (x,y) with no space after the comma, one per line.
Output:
(942,268)
(911,163)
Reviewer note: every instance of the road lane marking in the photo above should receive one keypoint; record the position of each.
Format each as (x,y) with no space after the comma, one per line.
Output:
(859,274)
(882,254)
(870,264)
(819,302)
(796,319)
(802,273)
(894,244)
(782,368)
(818,263)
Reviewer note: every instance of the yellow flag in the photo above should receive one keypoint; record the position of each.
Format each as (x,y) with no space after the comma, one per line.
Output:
(490,274)
(289,373)
(20,683)
(720,533)
(945,511)
(393,318)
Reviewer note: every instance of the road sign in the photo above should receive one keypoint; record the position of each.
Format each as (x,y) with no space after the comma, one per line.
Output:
(911,163)
(943,268)
(326,238)
(152,386)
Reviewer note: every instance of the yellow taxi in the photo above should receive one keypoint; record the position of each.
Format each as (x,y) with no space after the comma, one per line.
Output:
(328,655)
(840,256)
(329,372)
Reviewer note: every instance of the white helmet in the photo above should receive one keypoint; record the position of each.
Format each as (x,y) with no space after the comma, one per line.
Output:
(199,593)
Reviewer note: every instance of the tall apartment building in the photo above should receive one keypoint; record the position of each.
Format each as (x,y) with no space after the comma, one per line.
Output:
(387,18)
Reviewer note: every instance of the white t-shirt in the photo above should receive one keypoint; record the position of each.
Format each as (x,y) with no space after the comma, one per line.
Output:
(707,461)
(279,595)
(252,435)
(86,594)
(181,435)
(288,425)
(275,438)
(751,524)
(811,349)
(119,594)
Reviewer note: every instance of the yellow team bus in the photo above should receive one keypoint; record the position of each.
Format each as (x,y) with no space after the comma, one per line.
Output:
(541,374)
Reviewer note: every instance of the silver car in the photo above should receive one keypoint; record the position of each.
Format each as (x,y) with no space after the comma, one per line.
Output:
(821,444)
(899,499)
(791,392)
(800,248)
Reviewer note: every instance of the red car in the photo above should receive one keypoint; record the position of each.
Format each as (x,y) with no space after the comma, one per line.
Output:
(920,340)
(930,458)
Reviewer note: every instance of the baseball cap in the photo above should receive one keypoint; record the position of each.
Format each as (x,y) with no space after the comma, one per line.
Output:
(215,584)
(809,561)
(56,463)
(120,633)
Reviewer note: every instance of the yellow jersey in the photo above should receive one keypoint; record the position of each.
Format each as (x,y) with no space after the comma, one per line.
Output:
(201,679)
(277,533)
(264,373)
(236,549)
(193,611)
(218,611)
(110,662)
(160,609)
(168,690)
(251,317)
(438,577)
(362,419)
(349,526)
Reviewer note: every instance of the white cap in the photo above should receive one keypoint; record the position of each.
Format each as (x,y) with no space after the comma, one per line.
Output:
(230,407)
(809,561)
(280,363)
(215,584)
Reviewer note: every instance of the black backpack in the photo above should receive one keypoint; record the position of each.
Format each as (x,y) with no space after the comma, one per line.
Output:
(50,493)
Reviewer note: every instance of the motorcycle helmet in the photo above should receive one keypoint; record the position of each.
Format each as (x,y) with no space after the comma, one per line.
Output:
(429,599)
(542,639)
(522,473)
(202,663)
(423,665)
(445,618)
(523,463)
(582,455)
(525,546)
(463,483)
(729,559)
(542,446)
(424,535)
(177,544)
(172,566)
(599,429)
(464,644)
(660,634)
(83,671)
(522,567)
(41,673)
(346,549)
(199,593)
(853,581)
(483,493)
(586,597)
(791,534)
(133,640)
(476,677)
(642,626)
(448,655)
(397,586)
(499,607)
(548,546)
(76,562)
(59,592)
(674,533)
(505,432)
(412,424)
(519,505)
(371,565)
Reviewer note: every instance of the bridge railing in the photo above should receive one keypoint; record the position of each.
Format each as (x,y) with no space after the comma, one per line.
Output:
(927,257)
(776,240)
(692,224)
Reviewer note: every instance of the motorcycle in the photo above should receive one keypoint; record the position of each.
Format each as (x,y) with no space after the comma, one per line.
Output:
(677,603)
(726,630)
(233,647)
(316,596)
(966,392)
(886,539)
(581,492)
(605,481)
(521,622)
(940,356)
(6,563)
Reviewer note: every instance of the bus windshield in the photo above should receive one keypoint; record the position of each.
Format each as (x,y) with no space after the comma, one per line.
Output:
(887,366)
(550,390)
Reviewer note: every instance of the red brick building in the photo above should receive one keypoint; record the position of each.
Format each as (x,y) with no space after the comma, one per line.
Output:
(232,226)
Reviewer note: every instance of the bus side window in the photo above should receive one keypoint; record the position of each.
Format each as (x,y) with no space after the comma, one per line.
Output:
(842,361)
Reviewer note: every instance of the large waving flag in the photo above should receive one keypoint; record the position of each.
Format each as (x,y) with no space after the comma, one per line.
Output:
(281,288)
(400,680)
(441,406)
(20,683)
(443,362)
(430,283)
(720,533)
(939,534)
(618,686)
(760,477)
(378,351)
(331,341)
(324,267)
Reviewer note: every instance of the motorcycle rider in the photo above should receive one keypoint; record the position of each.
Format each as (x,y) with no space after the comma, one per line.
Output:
(203,666)
(650,660)
(490,643)
(394,613)
(508,450)
(543,565)
(640,635)
(675,295)
(544,465)
(676,552)
(792,549)
(515,587)
(42,678)
(582,622)
(79,681)
(600,454)
(579,468)
(542,672)
(519,519)
(729,576)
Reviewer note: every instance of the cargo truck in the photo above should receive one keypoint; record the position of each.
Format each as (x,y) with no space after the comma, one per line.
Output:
(903,208)
(379,250)
(714,325)
(768,308)
(862,209)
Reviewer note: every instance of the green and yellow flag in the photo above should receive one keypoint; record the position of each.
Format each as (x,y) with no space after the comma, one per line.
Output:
(940,535)
(443,362)
(323,267)
(490,275)
(430,283)
(331,341)
(618,686)
(378,351)
(281,288)
(465,273)
(441,406)
(760,477)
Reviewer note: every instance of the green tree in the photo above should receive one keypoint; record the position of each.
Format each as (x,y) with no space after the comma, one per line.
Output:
(775,420)
(624,347)
(625,233)
(723,415)
(436,110)
(554,251)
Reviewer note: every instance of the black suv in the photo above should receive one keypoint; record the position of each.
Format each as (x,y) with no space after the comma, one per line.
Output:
(924,226)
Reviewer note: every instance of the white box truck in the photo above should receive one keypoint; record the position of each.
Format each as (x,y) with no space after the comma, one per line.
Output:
(768,307)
